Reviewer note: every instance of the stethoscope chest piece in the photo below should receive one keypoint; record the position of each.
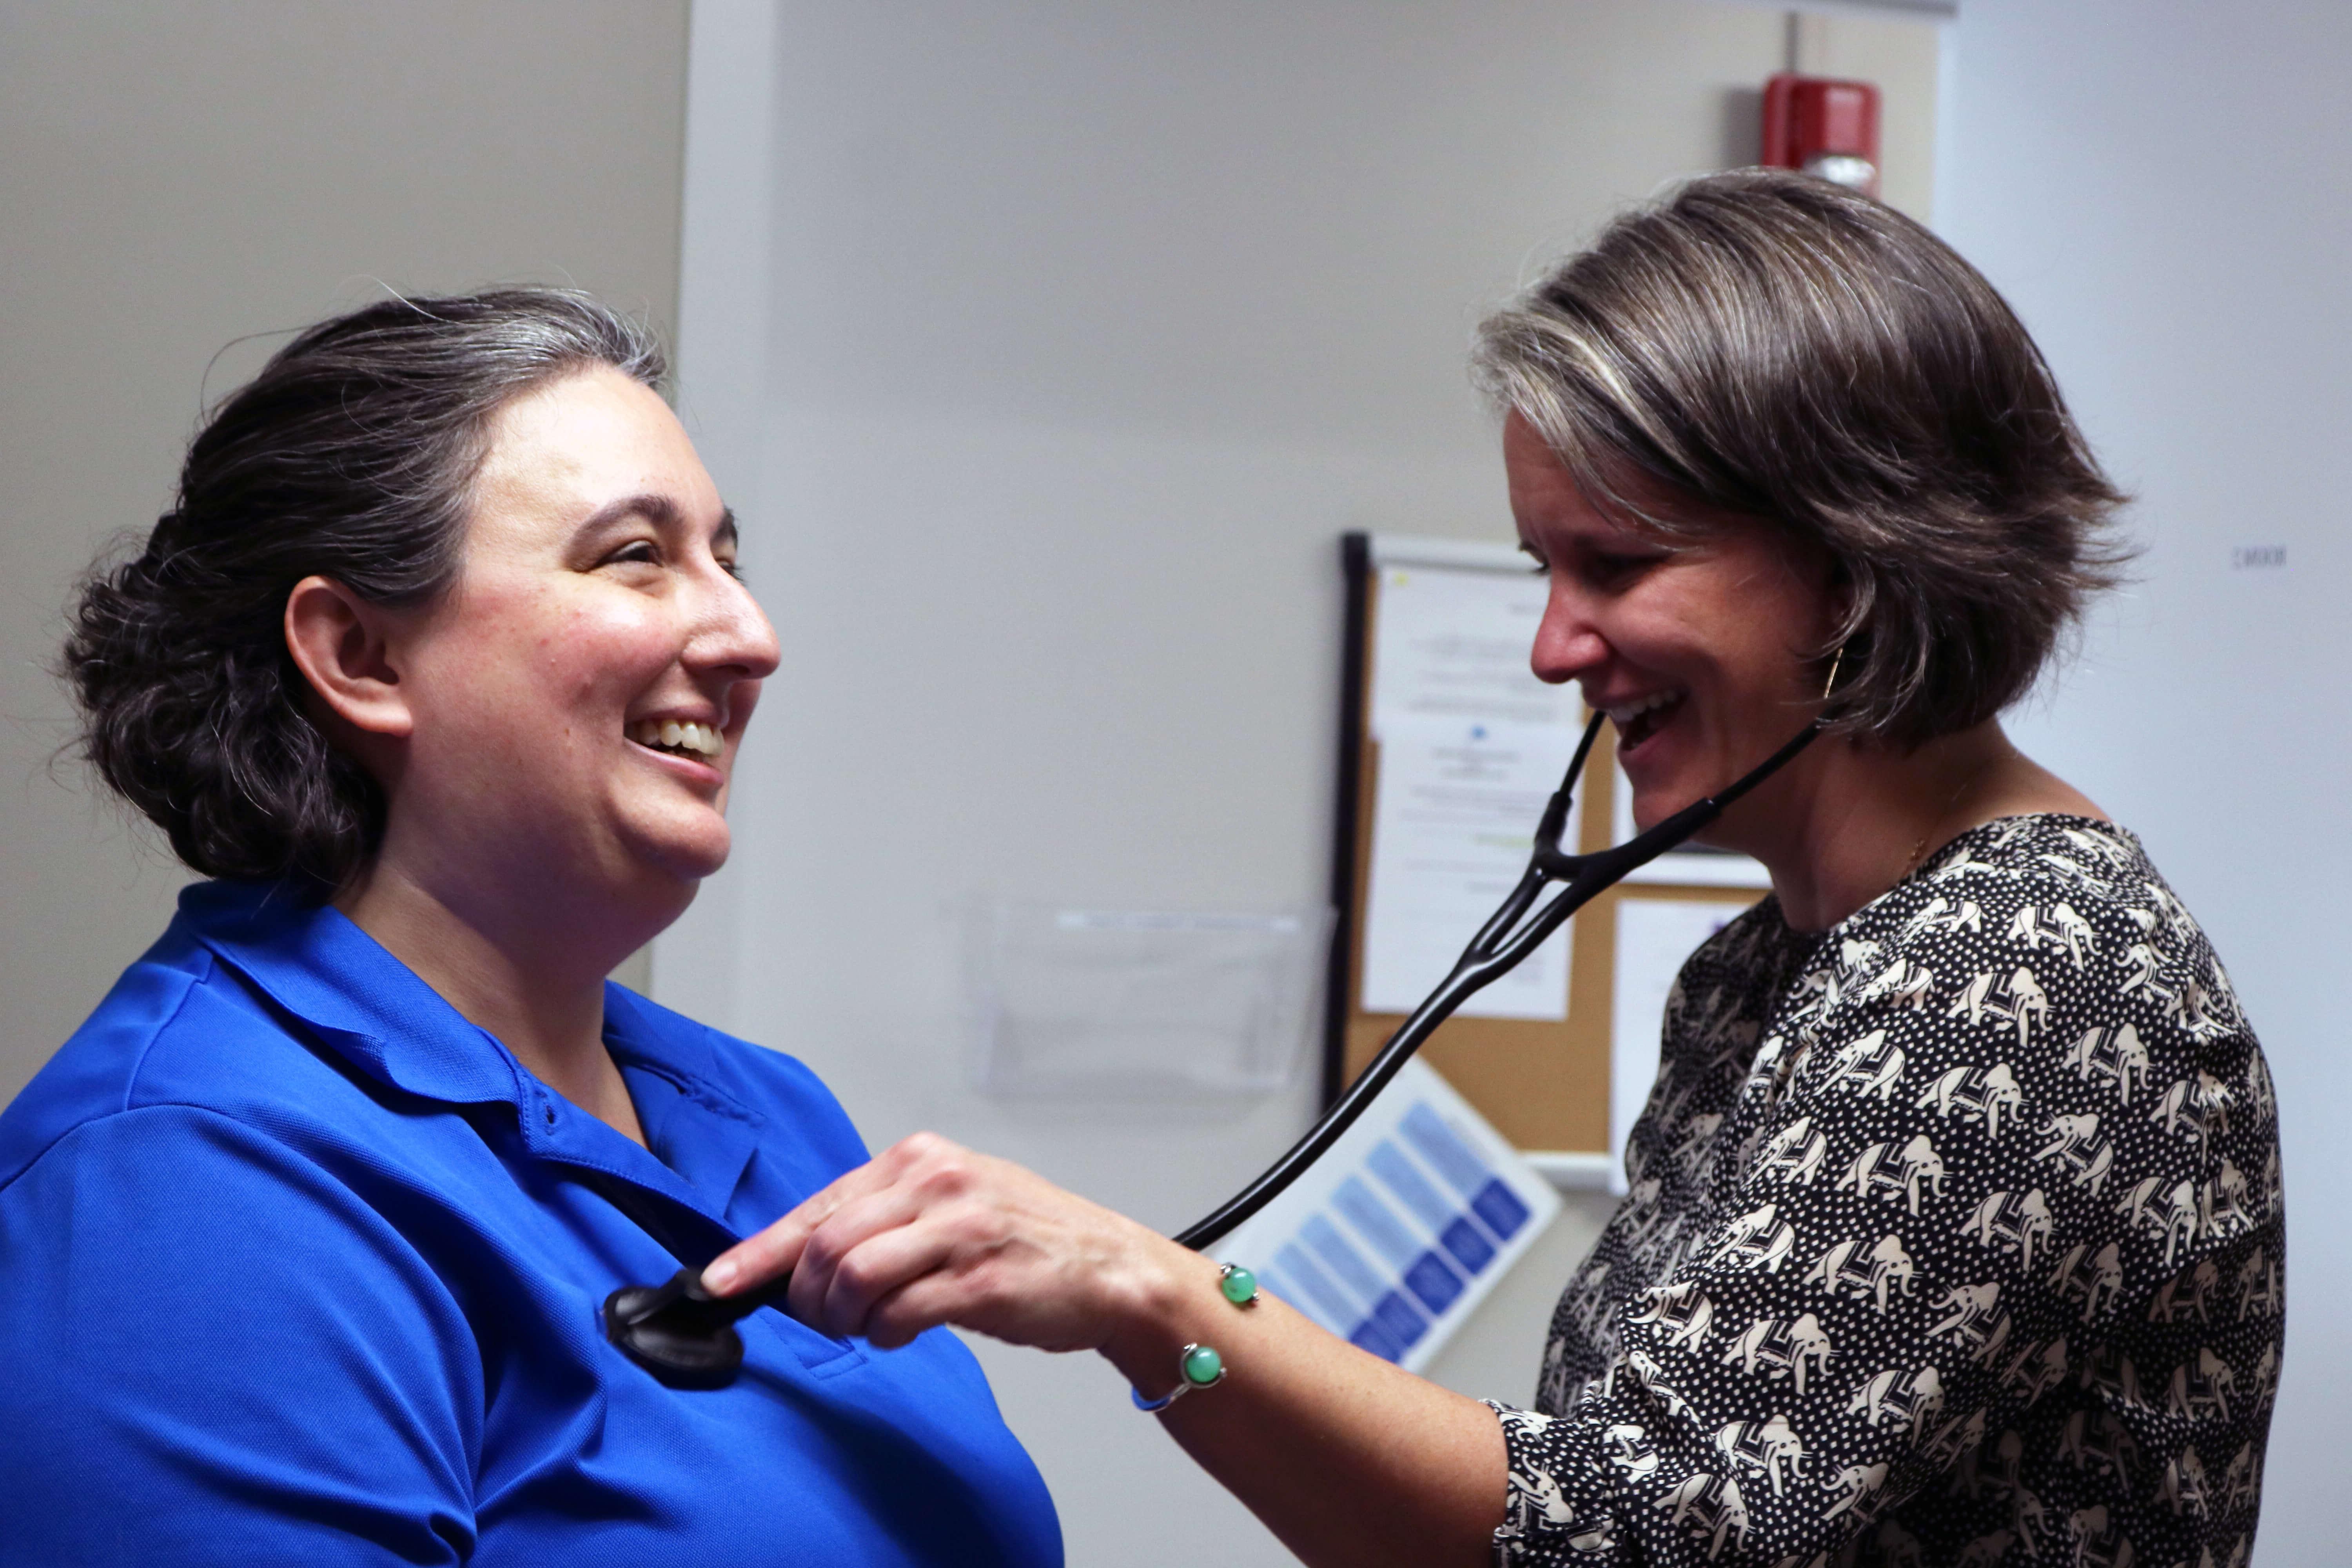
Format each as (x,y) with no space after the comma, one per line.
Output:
(679,1333)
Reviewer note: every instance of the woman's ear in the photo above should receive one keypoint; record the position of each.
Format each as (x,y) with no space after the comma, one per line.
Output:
(341,644)
(1842,593)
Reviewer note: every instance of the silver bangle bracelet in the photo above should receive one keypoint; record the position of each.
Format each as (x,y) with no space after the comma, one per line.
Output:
(1197,1366)
(1200,1366)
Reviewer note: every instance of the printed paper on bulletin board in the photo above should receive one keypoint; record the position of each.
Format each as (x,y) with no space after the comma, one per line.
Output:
(1542,1070)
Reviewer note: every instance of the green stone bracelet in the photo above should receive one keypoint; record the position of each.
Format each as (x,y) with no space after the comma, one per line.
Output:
(1239,1285)
(1197,1366)
(1200,1366)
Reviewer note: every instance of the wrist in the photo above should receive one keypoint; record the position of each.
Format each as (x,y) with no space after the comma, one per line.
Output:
(1168,1309)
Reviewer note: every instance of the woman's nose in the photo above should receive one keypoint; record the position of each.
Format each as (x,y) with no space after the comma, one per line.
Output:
(735,634)
(1568,644)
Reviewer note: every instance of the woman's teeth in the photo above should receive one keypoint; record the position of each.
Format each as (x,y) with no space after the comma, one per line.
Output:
(669,735)
(1621,717)
(1636,720)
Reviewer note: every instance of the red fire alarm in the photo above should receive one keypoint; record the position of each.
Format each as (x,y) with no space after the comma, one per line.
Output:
(1824,127)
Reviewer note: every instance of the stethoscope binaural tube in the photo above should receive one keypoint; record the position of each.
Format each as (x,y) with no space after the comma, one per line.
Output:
(687,1338)
(1501,944)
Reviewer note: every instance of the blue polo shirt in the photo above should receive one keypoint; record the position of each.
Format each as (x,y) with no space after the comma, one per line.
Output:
(298,1266)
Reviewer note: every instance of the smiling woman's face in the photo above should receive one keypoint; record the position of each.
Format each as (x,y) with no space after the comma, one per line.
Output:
(578,698)
(1700,649)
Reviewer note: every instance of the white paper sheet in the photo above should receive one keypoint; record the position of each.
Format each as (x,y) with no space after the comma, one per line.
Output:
(1403,1226)
(1458,803)
(1471,746)
(1453,645)
(1654,936)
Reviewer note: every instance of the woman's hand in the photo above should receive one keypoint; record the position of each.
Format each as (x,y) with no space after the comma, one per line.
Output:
(929,1233)
(1347,1458)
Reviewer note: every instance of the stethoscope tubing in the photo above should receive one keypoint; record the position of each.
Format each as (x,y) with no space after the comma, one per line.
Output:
(686,1338)
(1504,941)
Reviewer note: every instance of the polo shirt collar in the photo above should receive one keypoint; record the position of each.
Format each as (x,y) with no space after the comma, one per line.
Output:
(312,962)
(373,1010)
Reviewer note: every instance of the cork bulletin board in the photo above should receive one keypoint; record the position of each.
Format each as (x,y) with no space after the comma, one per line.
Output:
(1544,1082)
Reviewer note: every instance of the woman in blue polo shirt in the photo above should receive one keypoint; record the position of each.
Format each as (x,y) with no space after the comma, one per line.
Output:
(437,669)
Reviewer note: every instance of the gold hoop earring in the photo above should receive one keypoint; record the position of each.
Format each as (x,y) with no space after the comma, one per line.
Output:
(1831,684)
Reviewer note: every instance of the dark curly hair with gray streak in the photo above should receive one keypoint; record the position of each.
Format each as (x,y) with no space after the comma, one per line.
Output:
(352,456)
(1771,346)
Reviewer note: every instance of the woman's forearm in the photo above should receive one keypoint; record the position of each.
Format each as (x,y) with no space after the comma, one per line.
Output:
(1347,1458)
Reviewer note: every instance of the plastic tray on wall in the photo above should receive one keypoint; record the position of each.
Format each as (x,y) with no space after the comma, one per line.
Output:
(1087,1004)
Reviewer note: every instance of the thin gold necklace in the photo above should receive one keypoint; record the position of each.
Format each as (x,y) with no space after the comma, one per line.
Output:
(1919,847)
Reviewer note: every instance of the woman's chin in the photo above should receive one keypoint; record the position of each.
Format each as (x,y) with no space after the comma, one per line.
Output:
(1650,791)
(694,863)
(1667,772)
(1654,804)
(683,852)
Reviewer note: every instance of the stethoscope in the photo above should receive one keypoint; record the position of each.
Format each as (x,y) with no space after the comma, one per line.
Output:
(687,1338)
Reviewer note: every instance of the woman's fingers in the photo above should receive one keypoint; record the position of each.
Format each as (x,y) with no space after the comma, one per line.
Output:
(923,1303)
(945,1205)
(757,1259)
(930,1233)
(1013,1273)
(841,1295)
(856,1254)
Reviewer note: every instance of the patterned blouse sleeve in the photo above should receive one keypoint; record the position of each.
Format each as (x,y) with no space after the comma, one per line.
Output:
(1910,1221)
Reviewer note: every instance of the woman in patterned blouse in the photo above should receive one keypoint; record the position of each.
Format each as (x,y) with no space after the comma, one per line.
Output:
(1955,1234)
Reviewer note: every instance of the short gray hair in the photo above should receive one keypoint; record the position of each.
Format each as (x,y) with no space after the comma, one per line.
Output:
(1772,346)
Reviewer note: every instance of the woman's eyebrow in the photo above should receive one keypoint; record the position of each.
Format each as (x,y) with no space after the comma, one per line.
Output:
(660,511)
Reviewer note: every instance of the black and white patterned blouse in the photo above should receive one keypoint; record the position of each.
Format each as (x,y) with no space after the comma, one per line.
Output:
(1955,1238)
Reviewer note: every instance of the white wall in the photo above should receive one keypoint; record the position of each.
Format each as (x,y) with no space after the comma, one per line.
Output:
(178,176)
(2164,189)
(1085,331)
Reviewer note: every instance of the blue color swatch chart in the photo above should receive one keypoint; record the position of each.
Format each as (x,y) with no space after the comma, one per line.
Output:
(1402,1228)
